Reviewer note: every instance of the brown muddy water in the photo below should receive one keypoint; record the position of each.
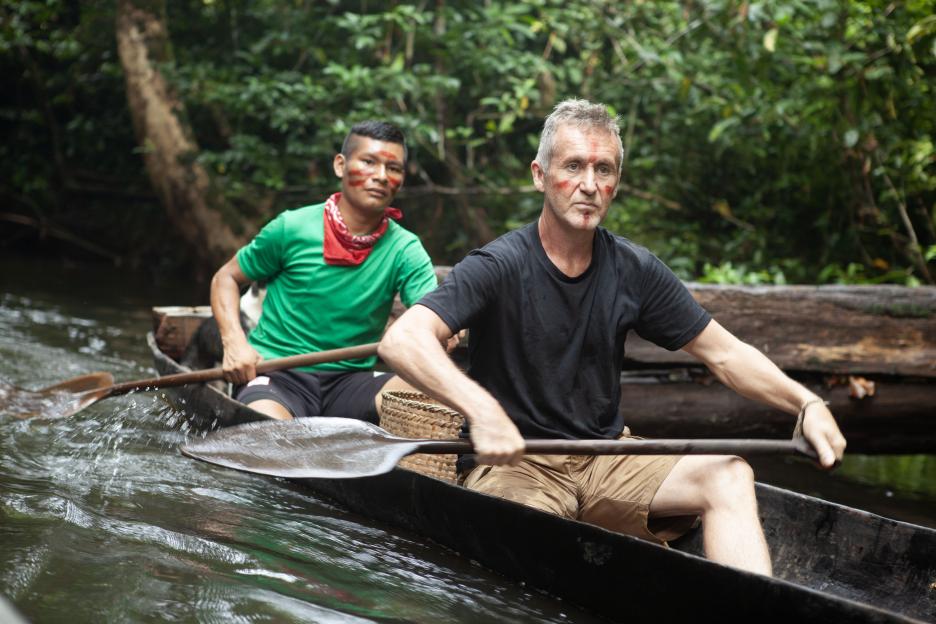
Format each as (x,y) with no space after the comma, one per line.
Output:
(101,518)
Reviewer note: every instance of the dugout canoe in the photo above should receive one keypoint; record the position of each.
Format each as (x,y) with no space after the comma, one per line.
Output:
(832,563)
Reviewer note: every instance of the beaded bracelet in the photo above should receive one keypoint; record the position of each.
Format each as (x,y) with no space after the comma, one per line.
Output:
(798,429)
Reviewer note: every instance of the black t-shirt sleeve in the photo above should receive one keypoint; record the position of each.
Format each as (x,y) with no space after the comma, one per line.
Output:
(466,292)
(669,316)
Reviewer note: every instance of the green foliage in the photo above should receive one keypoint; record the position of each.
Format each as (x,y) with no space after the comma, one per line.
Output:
(67,156)
(764,142)
(726,273)
(913,475)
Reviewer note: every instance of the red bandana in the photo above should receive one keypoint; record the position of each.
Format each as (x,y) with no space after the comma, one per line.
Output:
(341,246)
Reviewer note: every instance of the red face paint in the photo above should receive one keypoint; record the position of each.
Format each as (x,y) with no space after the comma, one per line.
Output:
(355,172)
(608,190)
(389,155)
(394,183)
(356,182)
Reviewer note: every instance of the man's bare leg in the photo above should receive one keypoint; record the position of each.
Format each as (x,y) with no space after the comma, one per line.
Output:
(721,490)
(394,384)
(271,409)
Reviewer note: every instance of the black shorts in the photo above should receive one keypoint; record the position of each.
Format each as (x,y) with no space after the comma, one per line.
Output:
(344,394)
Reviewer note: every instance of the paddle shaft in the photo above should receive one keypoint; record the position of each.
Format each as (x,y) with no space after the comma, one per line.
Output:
(745,448)
(342,448)
(212,374)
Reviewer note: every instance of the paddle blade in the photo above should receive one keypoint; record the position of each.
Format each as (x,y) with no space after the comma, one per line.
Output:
(303,448)
(91,381)
(57,401)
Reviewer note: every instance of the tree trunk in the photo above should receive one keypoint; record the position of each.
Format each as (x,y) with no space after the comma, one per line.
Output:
(889,330)
(197,210)
(899,418)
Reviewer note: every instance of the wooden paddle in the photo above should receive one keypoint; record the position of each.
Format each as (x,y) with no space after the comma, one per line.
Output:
(73,395)
(342,448)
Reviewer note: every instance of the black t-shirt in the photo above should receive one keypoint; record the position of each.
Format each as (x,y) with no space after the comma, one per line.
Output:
(550,348)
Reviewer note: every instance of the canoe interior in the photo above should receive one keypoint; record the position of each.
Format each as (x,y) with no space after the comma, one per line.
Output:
(832,563)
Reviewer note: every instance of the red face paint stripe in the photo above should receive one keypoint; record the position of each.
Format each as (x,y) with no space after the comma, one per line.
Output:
(389,155)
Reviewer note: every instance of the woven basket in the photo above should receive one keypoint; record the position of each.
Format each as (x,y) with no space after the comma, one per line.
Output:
(415,415)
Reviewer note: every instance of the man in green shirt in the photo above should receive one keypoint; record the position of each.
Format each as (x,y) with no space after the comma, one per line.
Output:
(332,271)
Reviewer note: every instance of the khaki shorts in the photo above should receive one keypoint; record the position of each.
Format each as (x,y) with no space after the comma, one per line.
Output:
(611,491)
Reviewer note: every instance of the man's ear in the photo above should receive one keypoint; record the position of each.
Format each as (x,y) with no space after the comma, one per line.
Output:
(539,176)
(339,164)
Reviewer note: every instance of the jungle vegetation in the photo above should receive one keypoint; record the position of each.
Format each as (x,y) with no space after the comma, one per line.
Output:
(765,142)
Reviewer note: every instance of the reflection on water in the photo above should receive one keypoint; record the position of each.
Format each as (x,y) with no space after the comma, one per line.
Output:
(21,403)
(102,520)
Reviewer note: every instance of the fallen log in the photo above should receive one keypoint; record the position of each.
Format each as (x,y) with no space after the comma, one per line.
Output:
(888,330)
(899,418)
(816,333)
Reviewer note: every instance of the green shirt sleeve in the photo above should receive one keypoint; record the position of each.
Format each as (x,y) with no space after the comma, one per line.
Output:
(416,275)
(262,258)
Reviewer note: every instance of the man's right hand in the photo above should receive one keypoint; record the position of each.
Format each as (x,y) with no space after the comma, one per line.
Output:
(240,363)
(496,438)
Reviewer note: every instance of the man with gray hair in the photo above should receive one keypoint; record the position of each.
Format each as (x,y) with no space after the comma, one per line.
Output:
(549,307)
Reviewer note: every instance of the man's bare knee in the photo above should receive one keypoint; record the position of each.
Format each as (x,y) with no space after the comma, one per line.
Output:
(727,480)
(394,384)
(270,408)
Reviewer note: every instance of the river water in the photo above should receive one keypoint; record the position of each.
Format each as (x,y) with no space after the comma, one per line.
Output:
(101,519)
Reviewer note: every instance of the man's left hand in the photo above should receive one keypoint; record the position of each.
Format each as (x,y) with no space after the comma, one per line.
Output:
(822,432)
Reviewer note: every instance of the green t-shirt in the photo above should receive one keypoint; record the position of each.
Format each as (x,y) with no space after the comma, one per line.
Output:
(314,306)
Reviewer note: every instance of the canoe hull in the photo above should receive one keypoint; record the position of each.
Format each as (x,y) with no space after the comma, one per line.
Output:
(622,577)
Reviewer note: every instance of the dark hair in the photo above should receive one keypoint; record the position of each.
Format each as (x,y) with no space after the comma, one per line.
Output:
(379,130)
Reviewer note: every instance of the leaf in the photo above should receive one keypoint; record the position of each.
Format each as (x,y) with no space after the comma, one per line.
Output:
(722,207)
(770,40)
(506,123)
(835,62)
(719,128)
(851,137)
(924,27)
(876,73)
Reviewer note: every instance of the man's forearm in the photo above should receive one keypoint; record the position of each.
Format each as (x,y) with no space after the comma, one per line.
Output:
(419,358)
(413,347)
(225,305)
(751,374)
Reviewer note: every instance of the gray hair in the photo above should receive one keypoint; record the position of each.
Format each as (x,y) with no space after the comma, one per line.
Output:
(582,114)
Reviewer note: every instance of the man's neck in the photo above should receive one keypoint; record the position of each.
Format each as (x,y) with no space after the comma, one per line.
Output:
(570,250)
(359,222)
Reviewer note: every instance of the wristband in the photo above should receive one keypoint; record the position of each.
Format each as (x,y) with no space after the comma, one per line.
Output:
(798,429)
